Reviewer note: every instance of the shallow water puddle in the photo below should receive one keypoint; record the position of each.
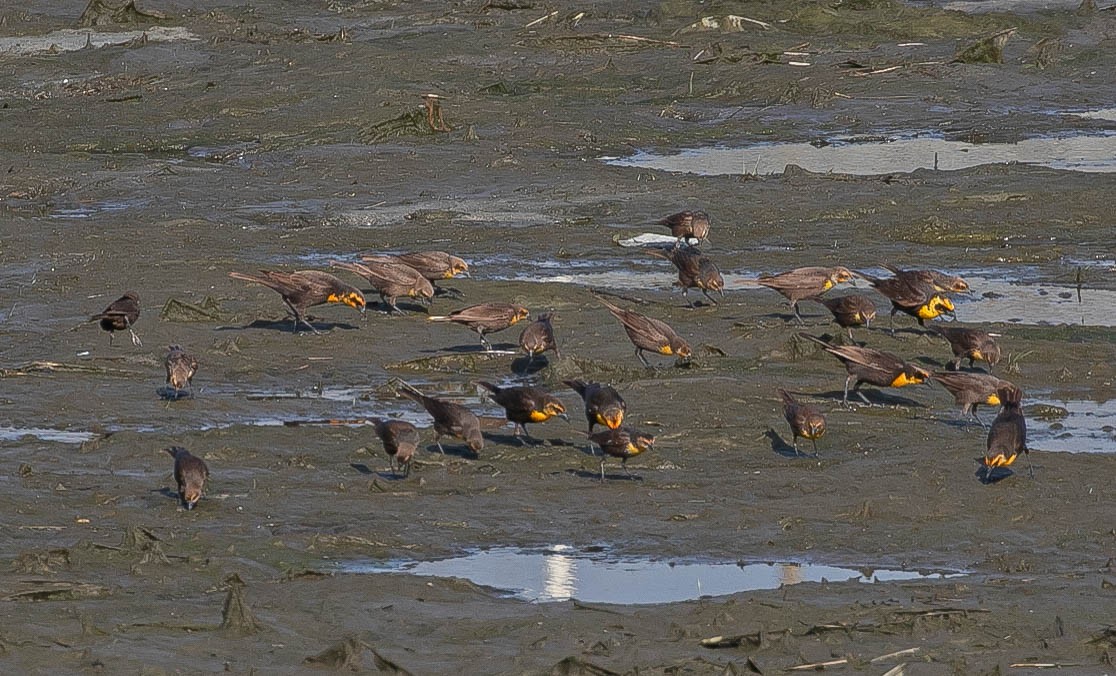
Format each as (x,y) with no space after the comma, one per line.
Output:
(1075,426)
(898,154)
(45,434)
(997,300)
(560,573)
(71,40)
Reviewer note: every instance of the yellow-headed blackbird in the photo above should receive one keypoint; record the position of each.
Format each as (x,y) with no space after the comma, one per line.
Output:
(913,296)
(392,280)
(538,337)
(603,404)
(433,265)
(971,390)
(486,318)
(865,365)
(851,310)
(802,283)
(190,473)
(181,367)
(650,334)
(621,443)
(1007,437)
(805,421)
(939,280)
(688,225)
(971,344)
(304,289)
(695,271)
(450,419)
(400,439)
(120,315)
(526,404)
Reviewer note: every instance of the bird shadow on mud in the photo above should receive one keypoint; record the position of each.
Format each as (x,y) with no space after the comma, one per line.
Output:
(875,398)
(596,475)
(525,366)
(166,492)
(454,450)
(407,308)
(284,326)
(990,475)
(170,394)
(386,474)
(497,348)
(781,447)
(513,441)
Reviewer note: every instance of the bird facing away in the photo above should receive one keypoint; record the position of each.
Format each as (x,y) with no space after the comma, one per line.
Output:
(621,443)
(538,337)
(802,283)
(913,296)
(181,367)
(603,404)
(400,439)
(650,334)
(486,318)
(392,280)
(971,390)
(1007,437)
(450,419)
(939,280)
(805,421)
(695,271)
(190,473)
(688,225)
(526,404)
(304,289)
(865,365)
(851,310)
(120,315)
(971,344)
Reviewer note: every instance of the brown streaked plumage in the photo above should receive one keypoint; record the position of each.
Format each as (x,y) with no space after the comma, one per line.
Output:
(181,367)
(400,439)
(971,344)
(120,315)
(802,283)
(392,280)
(1007,437)
(648,333)
(865,365)
(970,390)
(695,271)
(433,265)
(538,337)
(621,443)
(913,296)
(486,318)
(190,473)
(303,289)
(688,225)
(450,419)
(526,404)
(603,404)
(805,421)
(939,280)
(851,310)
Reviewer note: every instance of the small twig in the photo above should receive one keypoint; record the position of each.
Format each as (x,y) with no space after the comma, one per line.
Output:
(818,665)
(1045,665)
(897,653)
(541,19)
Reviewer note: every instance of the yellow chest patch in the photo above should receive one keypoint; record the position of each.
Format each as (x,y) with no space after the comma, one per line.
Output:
(539,416)
(977,354)
(333,298)
(632,449)
(665,349)
(902,380)
(1000,460)
(929,311)
(992,400)
(827,285)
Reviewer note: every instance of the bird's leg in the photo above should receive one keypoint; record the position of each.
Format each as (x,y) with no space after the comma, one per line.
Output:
(794,442)
(845,399)
(438,443)
(602,470)
(135,339)
(711,300)
(484,342)
(639,353)
(815,442)
(794,306)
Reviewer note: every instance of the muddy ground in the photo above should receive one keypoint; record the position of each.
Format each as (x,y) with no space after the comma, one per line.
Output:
(286,134)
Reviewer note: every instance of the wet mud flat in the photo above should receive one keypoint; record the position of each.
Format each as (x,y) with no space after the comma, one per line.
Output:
(289,135)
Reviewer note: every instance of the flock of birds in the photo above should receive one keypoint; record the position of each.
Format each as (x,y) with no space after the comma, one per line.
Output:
(922,294)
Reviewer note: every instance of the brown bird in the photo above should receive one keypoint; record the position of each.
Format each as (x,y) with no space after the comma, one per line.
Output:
(971,344)
(851,310)
(400,440)
(939,280)
(695,271)
(181,367)
(865,365)
(805,421)
(688,225)
(603,404)
(392,280)
(538,337)
(486,318)
(304,289)
(434,265)
(621,443)
(650,334)
(971,390)
(526,404)
(450,419)
(190,473)
(120,315)
(802,283)
(1007,437)
(913,296)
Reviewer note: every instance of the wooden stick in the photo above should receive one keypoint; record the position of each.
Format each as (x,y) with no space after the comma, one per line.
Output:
(818,665)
